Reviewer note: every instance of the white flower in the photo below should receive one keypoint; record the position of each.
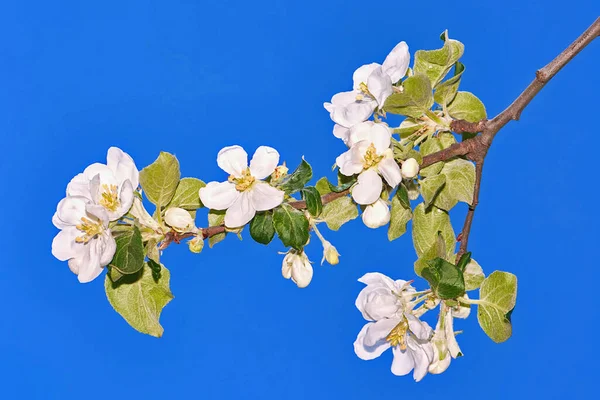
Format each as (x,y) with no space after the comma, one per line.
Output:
(179,219)
(244,193)
(109,185)
(377,214)
(387,303)
(444,340)
(369,156)
(410,168)
(297,267)
(372,86)
(84,240)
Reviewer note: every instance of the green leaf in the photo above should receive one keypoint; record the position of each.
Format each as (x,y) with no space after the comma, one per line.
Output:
(426,225)
(497,298)
(430,146)
(323,186)
(159,180)
(400,215)
(463,261)
(436,64)
(338,212)
(468,107)
(156,268)
(431,186)
(344,182)
(216,218)
(187,194)
(407,127)
(291,226)
(129,256)
(402,195)
(415,99)
(460,184)
(261,227)
(474,275)
(152,250)
(314,205)
(140,299)
(446,91)
(446,279)
(297,179)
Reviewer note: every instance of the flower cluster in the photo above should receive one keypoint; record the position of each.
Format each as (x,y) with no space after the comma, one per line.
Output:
(102,193)
(370,154)
(389,306)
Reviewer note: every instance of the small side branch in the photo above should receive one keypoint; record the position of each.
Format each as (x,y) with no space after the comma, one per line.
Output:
(466,231)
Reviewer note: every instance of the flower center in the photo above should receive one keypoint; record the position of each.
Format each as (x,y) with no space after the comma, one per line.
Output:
(244,182)
(397,336)
(365,92)
(89,228)
(371,158)
(110,197)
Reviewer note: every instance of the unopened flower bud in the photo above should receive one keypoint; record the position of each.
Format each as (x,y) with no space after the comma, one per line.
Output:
(410,168)
(330,254)
(376,215)
(179,219)
(279,173)
(297,267)
(196,244)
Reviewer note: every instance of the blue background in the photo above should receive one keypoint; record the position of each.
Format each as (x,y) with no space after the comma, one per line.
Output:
(191,77)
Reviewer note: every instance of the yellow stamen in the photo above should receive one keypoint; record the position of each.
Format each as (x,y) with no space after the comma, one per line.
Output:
(244,182)
(365,92)
(110,197)
(371,158)
(90,229)
(397,336)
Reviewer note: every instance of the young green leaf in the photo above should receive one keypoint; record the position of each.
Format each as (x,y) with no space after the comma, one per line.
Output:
(464,260)
(497,298)
(460,184)
(426,225)
(446,279)
(140,299)
(400,215)
(216,218)
(291,226)
(129,256)
(297,179)
(187,194)
(430,187)
(446,91)
(402,195)
(468,107)
(474,275)
(261,227)
(436,64)
(314,205)
(338,212)
(415,99)
(323,186)
(159,180)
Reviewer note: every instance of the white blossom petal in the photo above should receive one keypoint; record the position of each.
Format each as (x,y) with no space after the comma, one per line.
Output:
(419,328)
(233,160)
(390,171)
(376,215)
(240,212)
(361,75)
(218,195)
(396,63)
(452,344)
(125,200)
(368,187)
(422,355)
(380,86)
(379,330)
(403,362)
(79,186)
(341,132)
(365,352)
(64,245)
(441,359)
(264,161)
(302,271)
(381,137)
(377,278)
(350,162)
(347,111)
(109,246)
(69,211)
(107,177)
(122,166)
(265,197)
(360,132)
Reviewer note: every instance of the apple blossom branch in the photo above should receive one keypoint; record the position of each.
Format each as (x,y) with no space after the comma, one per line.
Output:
(474,149)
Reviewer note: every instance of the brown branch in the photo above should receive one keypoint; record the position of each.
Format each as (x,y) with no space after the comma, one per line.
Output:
(474,149)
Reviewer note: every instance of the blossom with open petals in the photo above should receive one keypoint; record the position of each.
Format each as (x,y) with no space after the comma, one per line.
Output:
(244,193)
(371,87)
(296,266)
(371,157)
(386,303)
(84,240)
(109,185)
